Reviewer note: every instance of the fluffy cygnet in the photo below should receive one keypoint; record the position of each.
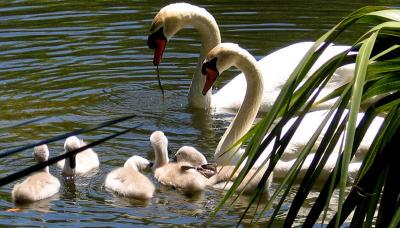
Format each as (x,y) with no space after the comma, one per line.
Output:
(129,182)
(180,175)
(82,162)
(222,176)
(191,155)
(39,185)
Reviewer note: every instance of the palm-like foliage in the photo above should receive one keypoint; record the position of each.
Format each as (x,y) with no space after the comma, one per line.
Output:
(377,74)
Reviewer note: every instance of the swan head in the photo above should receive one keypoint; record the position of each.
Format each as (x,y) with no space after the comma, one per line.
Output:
(191,155)
(41,153)
(219,59)
(168,21)
(159,142)
(138,163)
(71,143)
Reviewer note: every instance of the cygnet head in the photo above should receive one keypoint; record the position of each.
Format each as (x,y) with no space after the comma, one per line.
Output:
(159,142)
(191,155)
(219,59)
(41,153)
(138,163)
(72,143)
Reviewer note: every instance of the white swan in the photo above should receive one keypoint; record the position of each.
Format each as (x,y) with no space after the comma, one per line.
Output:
(129,182)
(279,64)
(226,55)
(81,163)
(308,126)
(38,186)
(180,175)
(220,178)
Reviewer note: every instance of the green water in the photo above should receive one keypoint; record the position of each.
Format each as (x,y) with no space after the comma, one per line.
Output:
(78,63)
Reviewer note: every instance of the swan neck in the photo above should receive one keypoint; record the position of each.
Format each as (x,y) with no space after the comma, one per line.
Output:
(161,155)
(210,36)
(247,113)
(67,166)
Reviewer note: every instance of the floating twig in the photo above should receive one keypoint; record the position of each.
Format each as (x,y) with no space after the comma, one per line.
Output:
(159,83)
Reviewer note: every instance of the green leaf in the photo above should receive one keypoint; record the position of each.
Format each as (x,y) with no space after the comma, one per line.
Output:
(360,74)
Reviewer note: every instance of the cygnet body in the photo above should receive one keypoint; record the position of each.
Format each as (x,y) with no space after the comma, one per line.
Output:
(81,163)
(38,186)
(129,182)
(191,155)
(180,175)
(222,178)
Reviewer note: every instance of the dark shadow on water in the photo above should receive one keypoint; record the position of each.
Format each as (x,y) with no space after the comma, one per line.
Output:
(193,197)
(40,205)
(121,201)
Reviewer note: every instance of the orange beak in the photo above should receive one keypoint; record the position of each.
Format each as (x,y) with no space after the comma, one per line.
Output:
(159,51)
(211,76)
(158,42)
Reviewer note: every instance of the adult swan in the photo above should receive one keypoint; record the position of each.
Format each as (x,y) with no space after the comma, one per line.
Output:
(279,64)
(226,55)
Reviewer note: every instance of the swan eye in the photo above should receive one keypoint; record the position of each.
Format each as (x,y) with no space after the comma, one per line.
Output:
(212,64)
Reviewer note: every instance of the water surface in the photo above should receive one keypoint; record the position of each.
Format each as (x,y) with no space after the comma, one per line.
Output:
(77,63)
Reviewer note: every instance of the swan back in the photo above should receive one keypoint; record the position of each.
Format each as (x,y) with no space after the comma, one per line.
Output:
(191,155)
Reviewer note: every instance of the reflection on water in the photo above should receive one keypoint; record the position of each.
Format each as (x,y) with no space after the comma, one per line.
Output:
(71,64)
(40,206)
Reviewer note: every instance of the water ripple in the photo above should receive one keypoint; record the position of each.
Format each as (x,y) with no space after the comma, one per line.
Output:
(78,63)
